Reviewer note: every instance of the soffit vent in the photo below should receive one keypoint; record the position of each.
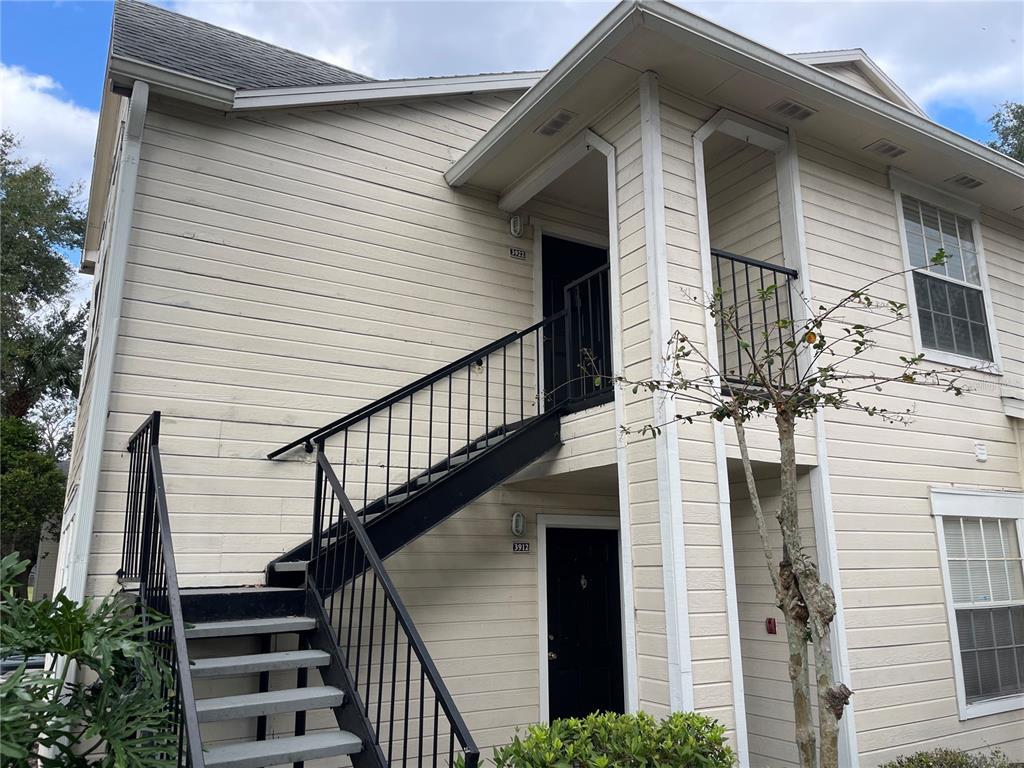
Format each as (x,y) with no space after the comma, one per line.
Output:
(556,122)
(886,148)
(791,110)
(965,180)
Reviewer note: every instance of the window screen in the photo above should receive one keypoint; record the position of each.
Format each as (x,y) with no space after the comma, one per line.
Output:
(987,582)
(950,301)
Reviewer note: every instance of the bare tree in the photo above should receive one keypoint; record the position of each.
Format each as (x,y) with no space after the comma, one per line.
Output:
(790,369)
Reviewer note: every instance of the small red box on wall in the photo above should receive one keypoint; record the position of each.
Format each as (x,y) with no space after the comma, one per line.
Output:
(770,627)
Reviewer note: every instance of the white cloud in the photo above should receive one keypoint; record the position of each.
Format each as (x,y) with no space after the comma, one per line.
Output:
(51,127)
(965,53)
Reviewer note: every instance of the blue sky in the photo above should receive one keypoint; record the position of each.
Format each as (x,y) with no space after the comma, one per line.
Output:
(53,53)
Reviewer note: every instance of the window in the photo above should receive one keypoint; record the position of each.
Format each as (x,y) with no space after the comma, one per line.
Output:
(984,579)
(950,299)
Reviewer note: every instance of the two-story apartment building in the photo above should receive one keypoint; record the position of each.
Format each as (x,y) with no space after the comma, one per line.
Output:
(412,295)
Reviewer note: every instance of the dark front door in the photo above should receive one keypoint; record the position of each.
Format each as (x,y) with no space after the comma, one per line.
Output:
(577,354)
(584,622)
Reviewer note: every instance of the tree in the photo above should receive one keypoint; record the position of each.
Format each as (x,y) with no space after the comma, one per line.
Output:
(41,336)
(790,369)
(1008,126)
(41,345)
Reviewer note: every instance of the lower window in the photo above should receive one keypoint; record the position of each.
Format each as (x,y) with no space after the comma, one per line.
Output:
(985,577)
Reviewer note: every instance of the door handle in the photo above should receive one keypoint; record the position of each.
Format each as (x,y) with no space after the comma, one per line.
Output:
(552,655)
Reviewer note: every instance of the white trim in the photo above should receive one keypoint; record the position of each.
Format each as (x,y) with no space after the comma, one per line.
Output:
(1013,406)
(901,181)
(944,504)
(521,191)
(558,81)
(670,501)
(78,543)
(611,243)
(826,545)
(700,34)
(163,80)
(721,461)
(867,67)
(382,90)
(590,522)
(902,184)
(100,179)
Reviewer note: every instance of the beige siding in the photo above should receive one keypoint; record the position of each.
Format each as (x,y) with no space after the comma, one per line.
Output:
(888,555)
(705,574)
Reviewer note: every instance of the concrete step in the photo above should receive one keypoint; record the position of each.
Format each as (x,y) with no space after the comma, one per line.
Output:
(271,626)
(288,749)
(268,703)
(226,666)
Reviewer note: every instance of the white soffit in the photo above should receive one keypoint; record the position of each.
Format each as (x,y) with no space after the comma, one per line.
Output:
(718,67)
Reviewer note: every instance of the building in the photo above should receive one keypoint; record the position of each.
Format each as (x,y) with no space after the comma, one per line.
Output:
(400,277)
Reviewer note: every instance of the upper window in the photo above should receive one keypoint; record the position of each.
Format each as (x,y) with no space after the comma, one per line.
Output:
(981,545)
(950,299)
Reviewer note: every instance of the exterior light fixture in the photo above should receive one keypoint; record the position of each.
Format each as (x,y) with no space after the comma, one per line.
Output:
(518,524)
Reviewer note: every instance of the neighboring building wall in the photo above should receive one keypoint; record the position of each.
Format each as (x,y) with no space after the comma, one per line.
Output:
(767,689)
(897,629)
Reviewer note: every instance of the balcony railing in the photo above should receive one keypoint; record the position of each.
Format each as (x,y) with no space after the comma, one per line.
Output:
(754,319)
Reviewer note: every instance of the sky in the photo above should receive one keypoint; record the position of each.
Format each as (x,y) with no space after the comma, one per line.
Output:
(958,60)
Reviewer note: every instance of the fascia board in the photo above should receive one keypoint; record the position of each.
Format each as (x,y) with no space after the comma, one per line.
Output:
(671,21)
(387,90)
(559,79)
(162,80)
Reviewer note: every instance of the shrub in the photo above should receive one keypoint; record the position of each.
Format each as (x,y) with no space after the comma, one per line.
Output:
(950,758)
(120,719)
(607,740)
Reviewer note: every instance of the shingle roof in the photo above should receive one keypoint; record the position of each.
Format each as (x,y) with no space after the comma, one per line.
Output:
(166,39)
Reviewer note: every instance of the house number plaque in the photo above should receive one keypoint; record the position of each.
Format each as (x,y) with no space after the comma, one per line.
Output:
(520,546)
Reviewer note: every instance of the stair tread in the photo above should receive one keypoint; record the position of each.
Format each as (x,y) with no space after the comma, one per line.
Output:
(286,566)
(287,749)
(225,666)
(267,626)
(268,703)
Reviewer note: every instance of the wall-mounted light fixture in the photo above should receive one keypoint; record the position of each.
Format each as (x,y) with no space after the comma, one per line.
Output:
(518,524)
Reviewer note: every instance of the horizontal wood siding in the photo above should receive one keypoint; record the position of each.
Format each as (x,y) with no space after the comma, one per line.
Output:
(705,574)
(897,631)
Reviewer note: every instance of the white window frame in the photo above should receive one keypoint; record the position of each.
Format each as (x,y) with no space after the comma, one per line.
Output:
(962,502)
(904,185)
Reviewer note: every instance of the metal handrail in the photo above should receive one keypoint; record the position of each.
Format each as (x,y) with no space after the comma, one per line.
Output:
(365,559)
(336,426)
(148,557)
(754,262)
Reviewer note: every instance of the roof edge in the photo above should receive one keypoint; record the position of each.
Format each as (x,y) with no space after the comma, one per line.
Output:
(124,71)
(867,67)
(662,16)
(382,90)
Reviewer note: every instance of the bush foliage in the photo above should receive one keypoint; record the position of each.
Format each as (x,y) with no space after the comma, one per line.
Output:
(607,740)
(950,758)
(120,718)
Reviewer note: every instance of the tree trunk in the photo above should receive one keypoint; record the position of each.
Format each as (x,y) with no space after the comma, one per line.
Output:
(816,599)
(794,613)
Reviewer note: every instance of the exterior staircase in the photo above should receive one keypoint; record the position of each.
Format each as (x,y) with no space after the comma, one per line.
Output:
(329,638)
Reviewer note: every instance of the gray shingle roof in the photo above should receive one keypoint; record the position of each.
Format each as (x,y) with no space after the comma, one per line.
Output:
(166,39)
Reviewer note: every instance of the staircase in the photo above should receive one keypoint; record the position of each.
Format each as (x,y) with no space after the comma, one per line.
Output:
(325,663)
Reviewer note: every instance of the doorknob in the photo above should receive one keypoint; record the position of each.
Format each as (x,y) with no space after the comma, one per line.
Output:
(552,655)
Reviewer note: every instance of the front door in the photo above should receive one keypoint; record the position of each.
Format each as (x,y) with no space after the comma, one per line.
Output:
(584,622)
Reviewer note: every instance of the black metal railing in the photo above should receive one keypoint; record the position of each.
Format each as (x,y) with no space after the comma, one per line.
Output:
(580,369)
(395,684)
(382,448)
(754,319)
(147,557)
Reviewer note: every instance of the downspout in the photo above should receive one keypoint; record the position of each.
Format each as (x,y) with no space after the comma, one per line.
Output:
(79,542)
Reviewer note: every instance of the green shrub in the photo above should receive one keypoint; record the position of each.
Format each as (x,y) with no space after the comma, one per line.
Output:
(606,740)
(118,718)
(950,758)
